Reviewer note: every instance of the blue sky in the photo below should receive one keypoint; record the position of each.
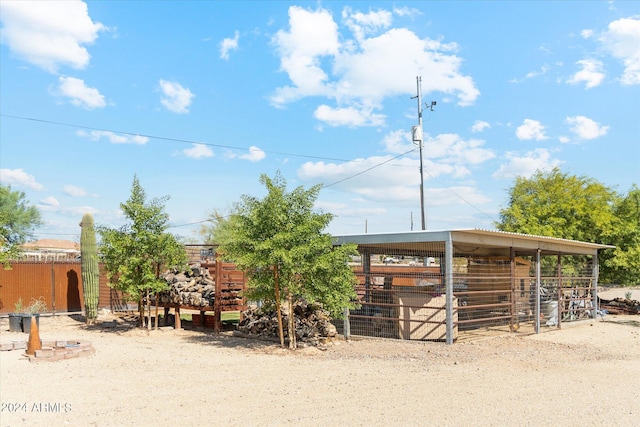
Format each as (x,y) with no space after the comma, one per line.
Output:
(198,99)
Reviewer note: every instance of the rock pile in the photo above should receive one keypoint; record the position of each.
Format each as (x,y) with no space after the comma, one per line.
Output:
(194,288)
(313,324)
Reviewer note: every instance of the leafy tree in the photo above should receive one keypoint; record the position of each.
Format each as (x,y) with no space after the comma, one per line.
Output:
(17,221)
(622,264)
(557,204)
(279,242)
(211,233)
(136,254)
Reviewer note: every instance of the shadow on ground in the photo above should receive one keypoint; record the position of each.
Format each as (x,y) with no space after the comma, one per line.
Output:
(227,340)
(628,322)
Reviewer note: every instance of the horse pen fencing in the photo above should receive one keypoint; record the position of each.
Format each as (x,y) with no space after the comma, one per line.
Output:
(450,285)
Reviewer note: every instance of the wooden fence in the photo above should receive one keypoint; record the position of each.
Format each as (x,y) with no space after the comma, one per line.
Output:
(59,284)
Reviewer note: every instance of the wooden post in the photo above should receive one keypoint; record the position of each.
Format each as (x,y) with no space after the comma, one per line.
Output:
(217,309)
(53,288)
(513,323)
(177,310)
(560,298)
(157,302)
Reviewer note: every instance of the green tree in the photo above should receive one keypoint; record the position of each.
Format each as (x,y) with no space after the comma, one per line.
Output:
(18,219)
(136,255)
(557,204)
(279,242)
(211,232)
(622,264)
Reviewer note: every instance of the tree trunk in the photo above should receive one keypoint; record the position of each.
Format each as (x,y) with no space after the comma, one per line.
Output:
(149,312)
(276,278)
(157,300)
(292,322)
(141,311)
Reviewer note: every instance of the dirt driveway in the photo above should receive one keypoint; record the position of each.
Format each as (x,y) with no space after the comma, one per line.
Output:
(583,375)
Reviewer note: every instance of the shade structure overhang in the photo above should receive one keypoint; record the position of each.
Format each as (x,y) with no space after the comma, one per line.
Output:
(473,242)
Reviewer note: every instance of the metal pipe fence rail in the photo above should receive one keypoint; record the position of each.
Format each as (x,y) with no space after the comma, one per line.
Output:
(403,294)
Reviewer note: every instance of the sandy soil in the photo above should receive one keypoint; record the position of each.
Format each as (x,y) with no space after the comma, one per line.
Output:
(585,374)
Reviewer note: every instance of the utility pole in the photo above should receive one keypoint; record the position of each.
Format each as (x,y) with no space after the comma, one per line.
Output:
(416,132)
(417,136)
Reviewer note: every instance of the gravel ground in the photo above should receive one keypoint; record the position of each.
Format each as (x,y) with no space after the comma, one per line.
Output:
(585,374)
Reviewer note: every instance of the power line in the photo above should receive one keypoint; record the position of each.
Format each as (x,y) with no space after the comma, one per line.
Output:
(231,147)
(372,167)
(179,140)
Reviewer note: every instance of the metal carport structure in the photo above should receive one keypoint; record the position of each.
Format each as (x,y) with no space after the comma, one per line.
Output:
(469,278)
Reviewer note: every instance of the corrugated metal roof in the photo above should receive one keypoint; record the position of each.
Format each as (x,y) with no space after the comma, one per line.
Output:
(536,237)
(482,237)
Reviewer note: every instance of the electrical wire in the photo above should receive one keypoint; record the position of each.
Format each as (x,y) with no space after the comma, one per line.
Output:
(231,147)
(179,140)
(372,167)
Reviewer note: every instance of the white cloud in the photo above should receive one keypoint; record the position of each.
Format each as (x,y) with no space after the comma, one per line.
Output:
(363,24)
(114,138)
(350,116)
(531,74)
(74,191)
(227,45)
(479,126)
(622,41)
(358,70)
(176,98)
(398,141)
(50,201)
(450,148)
(385,178)
(591,73)
(198,151)
(585,34)
(392,184)
(19,177)
(585,128)
(531,129)
(406,11)
(49,34)
(525,166)
(449,153)
(255,154)
(80,94)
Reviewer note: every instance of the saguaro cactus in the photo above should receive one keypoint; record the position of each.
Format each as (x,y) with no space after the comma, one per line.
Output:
(90,272)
